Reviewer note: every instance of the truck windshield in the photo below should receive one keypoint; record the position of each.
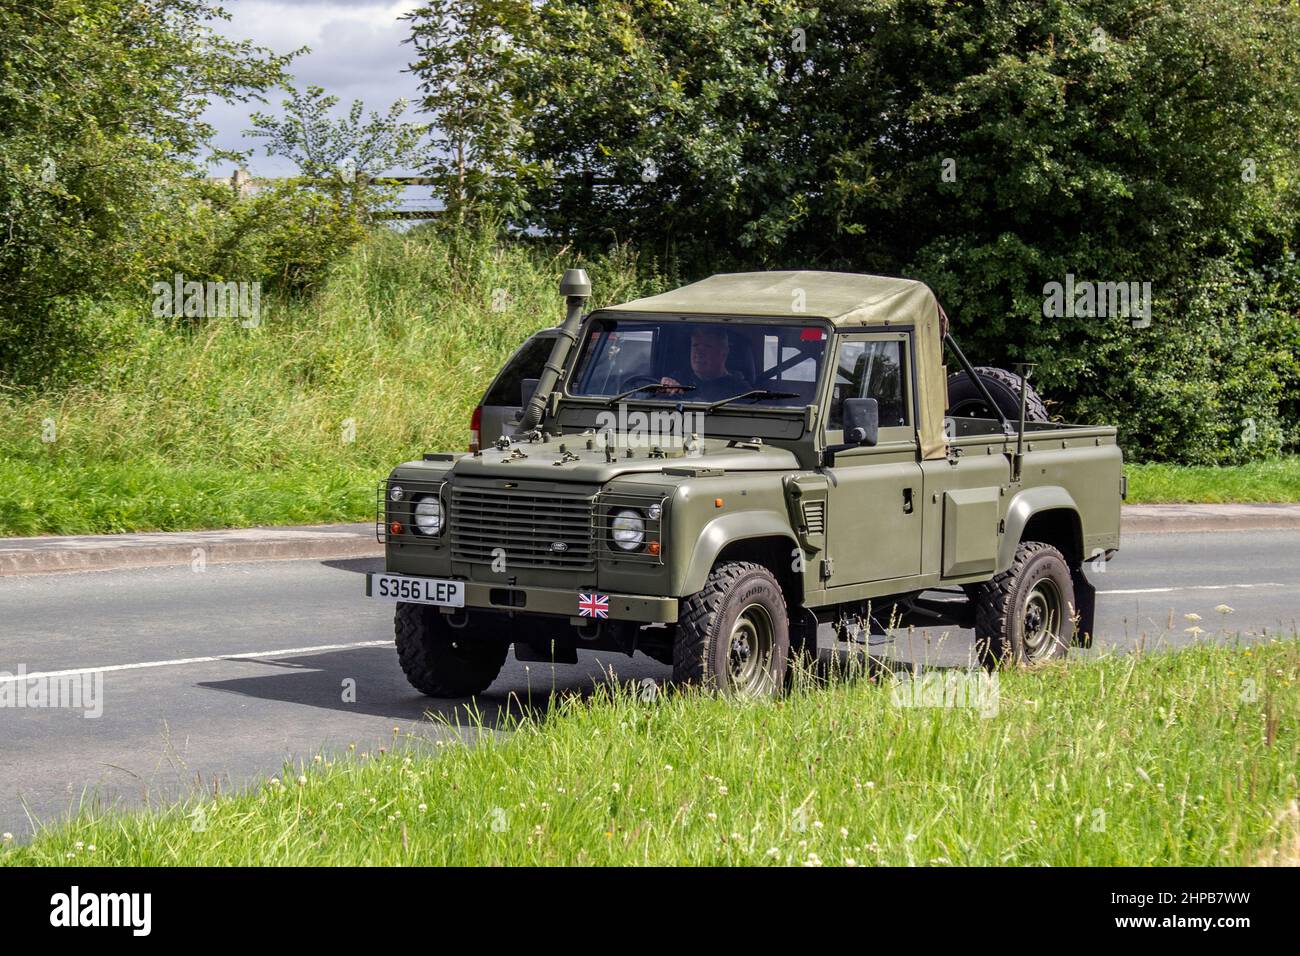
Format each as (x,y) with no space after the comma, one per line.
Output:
(710,360)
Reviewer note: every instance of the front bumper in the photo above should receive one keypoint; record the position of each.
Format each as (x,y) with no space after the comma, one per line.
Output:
(563,602)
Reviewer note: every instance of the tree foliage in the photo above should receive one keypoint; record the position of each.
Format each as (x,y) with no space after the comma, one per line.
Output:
(101,106)
(987,149)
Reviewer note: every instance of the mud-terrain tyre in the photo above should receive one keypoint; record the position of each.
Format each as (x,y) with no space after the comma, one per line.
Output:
(443,661)
(733,635)
(1026,614)
(965,400)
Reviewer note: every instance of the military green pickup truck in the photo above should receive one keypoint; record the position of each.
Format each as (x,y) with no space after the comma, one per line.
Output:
(711,475)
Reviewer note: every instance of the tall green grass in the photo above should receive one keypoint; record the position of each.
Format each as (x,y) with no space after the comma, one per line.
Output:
(1187,758)
(212,424)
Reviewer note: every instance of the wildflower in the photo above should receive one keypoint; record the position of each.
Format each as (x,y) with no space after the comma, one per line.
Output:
(617,787)
(6,838)
(422,807)
(817,824)
(849,861)
(273,782)
(1223,609)
(844,833)
(712,817)
(302,780)
(910,838)
(91,848)
(772,851)
(339,805)
(813,860)
(722,791)
(668,767)
(1192,617)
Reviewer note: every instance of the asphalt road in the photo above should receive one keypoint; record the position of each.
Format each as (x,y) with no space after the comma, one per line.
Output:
(217,678)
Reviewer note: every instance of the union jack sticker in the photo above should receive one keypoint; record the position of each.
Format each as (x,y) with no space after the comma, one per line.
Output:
(593,605)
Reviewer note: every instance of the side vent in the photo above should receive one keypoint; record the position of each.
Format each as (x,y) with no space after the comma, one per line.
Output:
(814,517)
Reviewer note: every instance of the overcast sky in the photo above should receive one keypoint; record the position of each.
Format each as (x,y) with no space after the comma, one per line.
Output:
(356,53)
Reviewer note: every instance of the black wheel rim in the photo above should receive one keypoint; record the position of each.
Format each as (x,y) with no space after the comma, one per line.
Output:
(1044,612)
(749,652)
(971,408)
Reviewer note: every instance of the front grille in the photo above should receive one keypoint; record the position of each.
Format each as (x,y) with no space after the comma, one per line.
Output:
(531,529)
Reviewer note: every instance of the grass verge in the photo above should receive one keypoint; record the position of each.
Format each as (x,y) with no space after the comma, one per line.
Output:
(207,424)
(1258,482)
(1185,758)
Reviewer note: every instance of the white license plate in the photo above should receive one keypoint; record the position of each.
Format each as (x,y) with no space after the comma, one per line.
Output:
(399,587)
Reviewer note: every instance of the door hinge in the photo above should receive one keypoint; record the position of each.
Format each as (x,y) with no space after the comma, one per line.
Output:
(827,568)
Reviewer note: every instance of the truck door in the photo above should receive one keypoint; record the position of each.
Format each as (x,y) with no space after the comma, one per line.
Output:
(874,520)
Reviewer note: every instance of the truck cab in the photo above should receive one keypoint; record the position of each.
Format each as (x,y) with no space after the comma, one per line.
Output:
(708,475)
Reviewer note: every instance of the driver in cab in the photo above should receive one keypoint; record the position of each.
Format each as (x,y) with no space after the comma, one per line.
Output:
(708,373)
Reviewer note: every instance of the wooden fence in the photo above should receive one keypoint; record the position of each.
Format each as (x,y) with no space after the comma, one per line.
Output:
(245,183)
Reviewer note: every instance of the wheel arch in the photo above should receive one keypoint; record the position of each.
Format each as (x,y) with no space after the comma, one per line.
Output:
(1048,514)
(763,537)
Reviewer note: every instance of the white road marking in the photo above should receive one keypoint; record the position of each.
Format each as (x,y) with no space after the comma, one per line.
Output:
(179,662)
(1196,587)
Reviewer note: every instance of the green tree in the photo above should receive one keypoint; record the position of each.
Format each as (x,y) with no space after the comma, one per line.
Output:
(988,149)
(100,113)
(465,53)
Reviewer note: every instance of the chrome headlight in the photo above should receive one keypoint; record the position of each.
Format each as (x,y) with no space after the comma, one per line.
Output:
(428,515)
(627,529)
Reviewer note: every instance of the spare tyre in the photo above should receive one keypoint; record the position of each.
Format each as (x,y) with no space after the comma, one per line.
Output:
(965,400)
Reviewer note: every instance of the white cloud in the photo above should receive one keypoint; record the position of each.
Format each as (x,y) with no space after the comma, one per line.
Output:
(356,53)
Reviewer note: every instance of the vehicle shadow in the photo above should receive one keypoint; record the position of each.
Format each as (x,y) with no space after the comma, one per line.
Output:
(355,565)
(367,681)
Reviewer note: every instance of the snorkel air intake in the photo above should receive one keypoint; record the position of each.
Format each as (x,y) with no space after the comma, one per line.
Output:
(576,289)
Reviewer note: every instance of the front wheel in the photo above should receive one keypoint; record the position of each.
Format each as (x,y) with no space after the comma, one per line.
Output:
(443,661)
(733,635)
(1026,615)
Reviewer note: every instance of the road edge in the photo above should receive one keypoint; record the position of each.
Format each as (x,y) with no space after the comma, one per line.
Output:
(47,555)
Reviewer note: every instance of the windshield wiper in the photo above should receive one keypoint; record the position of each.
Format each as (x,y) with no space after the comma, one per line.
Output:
(654,386)
(754,393)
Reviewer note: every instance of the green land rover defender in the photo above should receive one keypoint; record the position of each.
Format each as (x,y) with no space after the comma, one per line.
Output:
(709,475)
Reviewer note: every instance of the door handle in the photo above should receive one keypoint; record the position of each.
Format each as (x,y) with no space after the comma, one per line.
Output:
(907,501)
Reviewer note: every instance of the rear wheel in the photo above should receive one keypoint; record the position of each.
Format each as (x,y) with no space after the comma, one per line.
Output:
(733,636)
(443,661)
(1026,615)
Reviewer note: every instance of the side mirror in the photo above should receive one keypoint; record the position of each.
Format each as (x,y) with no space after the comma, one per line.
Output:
(861,421)
(526,389)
